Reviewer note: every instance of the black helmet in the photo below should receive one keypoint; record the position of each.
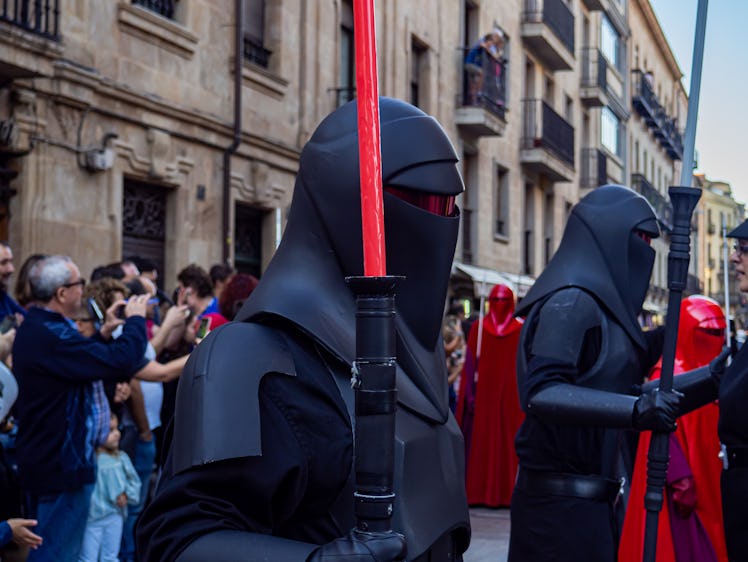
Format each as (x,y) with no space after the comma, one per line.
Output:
(605,250)
(322,243)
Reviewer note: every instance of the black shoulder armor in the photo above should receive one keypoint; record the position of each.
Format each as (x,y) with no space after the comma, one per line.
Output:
(220,385)
(562,324)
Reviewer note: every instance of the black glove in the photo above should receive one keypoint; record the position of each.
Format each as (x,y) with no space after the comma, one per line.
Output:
(656,411)
(718,365)
(362,547)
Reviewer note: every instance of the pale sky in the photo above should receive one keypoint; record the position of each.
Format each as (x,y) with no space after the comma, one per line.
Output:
(723,107)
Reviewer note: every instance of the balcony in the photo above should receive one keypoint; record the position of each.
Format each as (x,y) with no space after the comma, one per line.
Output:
(594,168)
(547,144)
(163,8)
(548,30)
(661,205)
(38,16)
(664,128)
(594,86)
(481,108)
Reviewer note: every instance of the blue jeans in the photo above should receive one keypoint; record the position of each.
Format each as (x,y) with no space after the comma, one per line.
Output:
(62,522)
(145,455)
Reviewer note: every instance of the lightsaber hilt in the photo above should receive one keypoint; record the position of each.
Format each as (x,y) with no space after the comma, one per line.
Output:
(374,384)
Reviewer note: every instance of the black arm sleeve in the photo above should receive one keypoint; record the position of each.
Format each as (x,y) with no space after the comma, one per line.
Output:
(698,386)
(566,342)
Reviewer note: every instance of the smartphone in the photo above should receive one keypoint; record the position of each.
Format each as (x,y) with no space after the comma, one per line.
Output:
(203,328)
(96,315)
(8,323)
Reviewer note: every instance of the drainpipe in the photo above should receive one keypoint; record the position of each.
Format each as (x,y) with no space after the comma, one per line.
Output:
(231,149)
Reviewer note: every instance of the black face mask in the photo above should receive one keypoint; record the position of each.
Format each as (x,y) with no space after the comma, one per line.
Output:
(602,253)
(322,244)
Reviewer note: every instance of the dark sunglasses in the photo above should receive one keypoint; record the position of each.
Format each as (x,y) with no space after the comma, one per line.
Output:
(81,282)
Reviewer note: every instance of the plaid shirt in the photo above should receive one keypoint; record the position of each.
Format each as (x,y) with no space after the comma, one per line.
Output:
(100,414)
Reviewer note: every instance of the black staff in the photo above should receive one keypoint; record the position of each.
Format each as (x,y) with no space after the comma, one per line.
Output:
(684,201)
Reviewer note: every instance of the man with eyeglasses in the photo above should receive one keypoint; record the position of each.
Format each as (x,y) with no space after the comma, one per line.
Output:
(733,423)
(55,366)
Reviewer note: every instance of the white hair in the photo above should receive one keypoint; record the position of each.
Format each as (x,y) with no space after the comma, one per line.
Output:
(47,275)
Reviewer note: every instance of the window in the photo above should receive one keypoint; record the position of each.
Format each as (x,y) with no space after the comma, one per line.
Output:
(144,211)
(418,52)
(610,42)
(568,108)
(501,202)
(548,224)
(548,91)
(248,239)
(254,33)
(610,128)
(161,7)
(347,84)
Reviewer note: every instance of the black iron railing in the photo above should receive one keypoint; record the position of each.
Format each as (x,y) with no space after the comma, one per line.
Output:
(255,51)
(594,69)
(664,128)
(544,128)
(662,206)
(556,15)
(594,168)
(161,7)
(484,81)
(38,16)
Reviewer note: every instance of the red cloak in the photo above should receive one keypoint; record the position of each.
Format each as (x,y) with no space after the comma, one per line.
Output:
(700,338)
(488,408)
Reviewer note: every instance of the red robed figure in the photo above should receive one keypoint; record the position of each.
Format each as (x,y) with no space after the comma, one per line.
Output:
(488,408)
(694,471)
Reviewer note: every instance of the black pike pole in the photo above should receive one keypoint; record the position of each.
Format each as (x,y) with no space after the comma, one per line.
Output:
(684,200)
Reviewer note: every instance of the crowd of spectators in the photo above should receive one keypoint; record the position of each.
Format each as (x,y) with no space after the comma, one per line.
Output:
(90,370)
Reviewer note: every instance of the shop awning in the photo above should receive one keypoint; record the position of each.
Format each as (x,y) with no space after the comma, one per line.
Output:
(483,278)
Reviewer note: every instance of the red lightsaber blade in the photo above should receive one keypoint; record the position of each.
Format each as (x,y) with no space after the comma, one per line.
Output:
(369,148)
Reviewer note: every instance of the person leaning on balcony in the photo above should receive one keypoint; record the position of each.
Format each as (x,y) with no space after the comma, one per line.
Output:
(491,43)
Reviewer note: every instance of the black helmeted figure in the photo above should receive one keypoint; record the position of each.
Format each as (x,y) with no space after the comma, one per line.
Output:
(581,359)
(262,446)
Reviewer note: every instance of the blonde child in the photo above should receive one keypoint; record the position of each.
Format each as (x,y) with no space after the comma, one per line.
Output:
(117,485)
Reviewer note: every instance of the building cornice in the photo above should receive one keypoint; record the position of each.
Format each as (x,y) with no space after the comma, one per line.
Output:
(659,36)
(84,87)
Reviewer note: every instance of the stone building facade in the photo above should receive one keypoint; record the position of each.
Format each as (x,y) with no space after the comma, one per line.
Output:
(658,117)
(717,214)
(123,118)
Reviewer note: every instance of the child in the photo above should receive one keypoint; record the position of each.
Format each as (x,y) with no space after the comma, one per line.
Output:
(117,484)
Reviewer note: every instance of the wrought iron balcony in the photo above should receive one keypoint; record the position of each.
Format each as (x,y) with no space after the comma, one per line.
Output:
(664,128)
(594,78)
(661,205)
(255,51)
(163,8)
(37,16)
(482,106)
(547,141)
(594,168)
(548,29)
